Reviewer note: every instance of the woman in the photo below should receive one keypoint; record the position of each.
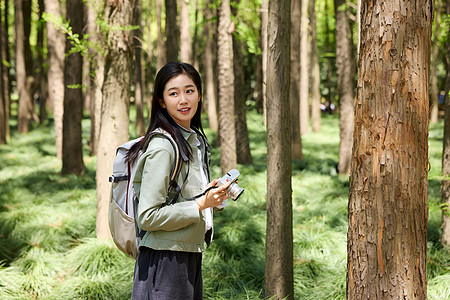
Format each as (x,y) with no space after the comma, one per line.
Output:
(168,265)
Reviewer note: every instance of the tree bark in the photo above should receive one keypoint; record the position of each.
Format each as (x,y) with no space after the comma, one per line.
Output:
(138,86)
(161,58)
(434,115)
(294,94)
(227,132)
(279,244)
(55,75)
(264,50)
(208,62)
(42,70)
(172,31)
(72,158)
(4,79)
(345,72)
(445,188)
(387,211)
(304,68)
(115,104)
(185,33)
(5,69)
(315,73)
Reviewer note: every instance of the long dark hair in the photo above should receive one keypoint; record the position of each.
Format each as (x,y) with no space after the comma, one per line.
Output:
(160,118)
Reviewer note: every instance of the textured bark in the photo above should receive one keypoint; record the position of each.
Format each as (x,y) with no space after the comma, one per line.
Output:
(315,73)
(446,153)
(115,105)
(434,114)
(55,75)
(264,50)
(138,84)
(294,94)
(185,33)
(172,32)
(345,72)
(279,244)
(387,210)
(227,132)
(208,63)
(160,44)
(304,68)
(72,158)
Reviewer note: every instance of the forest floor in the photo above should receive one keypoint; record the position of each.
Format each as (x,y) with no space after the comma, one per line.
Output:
(48,247)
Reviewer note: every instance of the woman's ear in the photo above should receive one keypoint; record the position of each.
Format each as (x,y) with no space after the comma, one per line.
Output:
(161,102)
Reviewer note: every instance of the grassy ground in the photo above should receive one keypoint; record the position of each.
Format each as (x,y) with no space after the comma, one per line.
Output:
(47,225)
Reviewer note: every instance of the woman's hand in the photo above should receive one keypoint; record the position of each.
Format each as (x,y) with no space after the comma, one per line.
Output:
(213,197)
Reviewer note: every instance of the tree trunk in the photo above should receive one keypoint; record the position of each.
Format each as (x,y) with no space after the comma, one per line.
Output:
(42,71)
(304,68)
(242,141)
(294,94)
(4,79)
(25,81)
(72,158)
(446,153)
(329,59)
(185,33)
(5,69)
(55,75)
(264,50)
(172,33)
(315,73)
(208,62)
(138,86)
(434,71)
(227,132)
(115,105)
(279,244)
(195,39)
(387,211)
(345,72)
(161,58)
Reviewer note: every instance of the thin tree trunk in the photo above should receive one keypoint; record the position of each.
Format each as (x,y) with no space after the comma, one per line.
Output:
(329,60)
(195,39)
(304,68)
(227,132)
(294,94)
(279,281)
(315,73)
(172,32)
(72,158)
(5,100)
(434,71)
(264,51)
(5,73)
(208,62)
(185,33)
(138,86)
(55,75)
(387,211)
(149,70)
(345,72)
(115,105)
(161,58)
(42,71)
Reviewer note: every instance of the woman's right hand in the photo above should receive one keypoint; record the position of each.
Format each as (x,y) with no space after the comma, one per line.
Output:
(213,197)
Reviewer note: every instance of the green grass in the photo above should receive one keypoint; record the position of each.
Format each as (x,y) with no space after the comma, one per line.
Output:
(48,248)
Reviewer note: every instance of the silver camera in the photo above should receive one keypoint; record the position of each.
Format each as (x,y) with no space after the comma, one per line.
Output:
(234,190)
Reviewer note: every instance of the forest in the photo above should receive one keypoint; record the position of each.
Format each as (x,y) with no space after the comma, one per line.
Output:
(335,112)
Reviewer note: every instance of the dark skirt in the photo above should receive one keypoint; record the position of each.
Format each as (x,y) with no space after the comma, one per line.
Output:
(164,274)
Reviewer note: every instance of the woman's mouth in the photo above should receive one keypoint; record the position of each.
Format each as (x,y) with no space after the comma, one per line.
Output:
(184,110)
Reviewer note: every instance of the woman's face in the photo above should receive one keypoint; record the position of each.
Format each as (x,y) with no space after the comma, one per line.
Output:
(181,98)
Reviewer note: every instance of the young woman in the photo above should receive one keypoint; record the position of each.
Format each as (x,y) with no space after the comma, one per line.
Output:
(168,265)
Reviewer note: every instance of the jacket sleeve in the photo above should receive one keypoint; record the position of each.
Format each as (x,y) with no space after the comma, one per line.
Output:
(151,214)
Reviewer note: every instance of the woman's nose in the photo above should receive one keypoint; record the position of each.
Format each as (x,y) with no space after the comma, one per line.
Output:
(183,98)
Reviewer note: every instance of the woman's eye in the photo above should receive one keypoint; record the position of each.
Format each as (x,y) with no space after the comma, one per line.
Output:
(190,91)
(173,94)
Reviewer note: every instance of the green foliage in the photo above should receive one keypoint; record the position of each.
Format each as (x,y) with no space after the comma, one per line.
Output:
(47,225)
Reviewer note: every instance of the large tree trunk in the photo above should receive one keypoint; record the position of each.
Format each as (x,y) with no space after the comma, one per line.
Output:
(72,158)
(172,32)
(227,132)
(115,105)
(138,86)
(185,33)
(294,94)
(279,282)
(25,80)
(446,153)
(315,73)
(434,71)
(345,72)
(55,75)
(208,65)
(161,58)
(387,211)
(304,68)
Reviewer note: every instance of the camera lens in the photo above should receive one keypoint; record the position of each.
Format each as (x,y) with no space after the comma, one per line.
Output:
(234,191)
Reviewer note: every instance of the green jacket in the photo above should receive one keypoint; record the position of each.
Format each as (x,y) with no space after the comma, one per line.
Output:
(179,226)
